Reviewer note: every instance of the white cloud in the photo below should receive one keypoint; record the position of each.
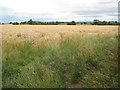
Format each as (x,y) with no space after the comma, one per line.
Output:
(60,10)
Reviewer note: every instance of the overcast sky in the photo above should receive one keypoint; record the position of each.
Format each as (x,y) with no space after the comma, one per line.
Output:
(58,10)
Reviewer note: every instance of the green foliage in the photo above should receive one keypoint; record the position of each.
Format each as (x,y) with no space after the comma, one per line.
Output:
(86,61)
(15,23)
(98,22)
(95,22)
(31,22)
(10,22)
(71,23)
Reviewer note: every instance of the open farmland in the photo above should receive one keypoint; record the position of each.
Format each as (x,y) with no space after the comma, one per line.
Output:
(59,56)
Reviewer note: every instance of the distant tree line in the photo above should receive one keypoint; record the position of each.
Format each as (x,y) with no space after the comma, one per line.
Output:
(95,22)
(31,22)
(98,22)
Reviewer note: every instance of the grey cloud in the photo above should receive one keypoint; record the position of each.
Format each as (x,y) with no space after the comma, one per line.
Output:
(93,12)
(9,15)
(91,16)
(13,18)
(98,10)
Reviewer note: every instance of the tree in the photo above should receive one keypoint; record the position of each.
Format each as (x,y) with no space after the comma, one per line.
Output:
(104,23)
(116,22)
(10,22)
(23,22)
(30,22)
(15,23)
(81,23)
(96,21)
(84,22)
(71,23)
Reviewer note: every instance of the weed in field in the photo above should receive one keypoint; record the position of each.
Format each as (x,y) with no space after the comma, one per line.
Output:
(88,62)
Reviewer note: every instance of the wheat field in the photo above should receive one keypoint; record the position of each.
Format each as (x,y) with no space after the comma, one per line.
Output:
(60,56)
(44,32)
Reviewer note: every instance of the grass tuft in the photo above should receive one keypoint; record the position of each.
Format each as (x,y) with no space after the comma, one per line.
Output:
(85,62)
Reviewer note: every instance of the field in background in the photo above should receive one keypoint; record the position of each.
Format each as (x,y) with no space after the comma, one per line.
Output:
(44,56)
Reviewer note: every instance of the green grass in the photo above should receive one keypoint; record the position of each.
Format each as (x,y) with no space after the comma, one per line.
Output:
(83,24)
(62,24)
(85,62)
